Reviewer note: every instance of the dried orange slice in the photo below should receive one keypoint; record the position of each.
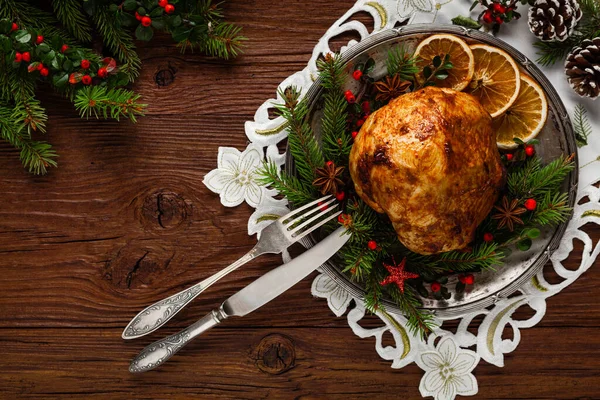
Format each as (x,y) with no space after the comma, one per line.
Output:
(460,56)
(525,118)
(495,80)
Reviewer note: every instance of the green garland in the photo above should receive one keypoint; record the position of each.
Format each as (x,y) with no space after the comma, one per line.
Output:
(41,48)
(528,181)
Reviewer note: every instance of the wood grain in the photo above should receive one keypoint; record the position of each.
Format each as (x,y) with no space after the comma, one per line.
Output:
(125,221)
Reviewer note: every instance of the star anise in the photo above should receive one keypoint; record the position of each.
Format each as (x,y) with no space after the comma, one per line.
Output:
(328,178)
(391,87)
(508,214)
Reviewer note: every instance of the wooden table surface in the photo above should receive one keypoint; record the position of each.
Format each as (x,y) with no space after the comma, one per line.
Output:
(126,220)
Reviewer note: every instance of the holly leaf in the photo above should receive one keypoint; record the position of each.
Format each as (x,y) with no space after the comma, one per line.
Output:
(532,233)
(5,26)
(144,33)
(128,19)
(48,57)
(524,244)
(158,24)
(42,49)
(174,21)
(68,65)
(60,80)
(157,12)
(5,44)
(23,36)
(369,66)
(467,22)
(130,5)
(181,33)
(427,72)
(33,66)
(441,75)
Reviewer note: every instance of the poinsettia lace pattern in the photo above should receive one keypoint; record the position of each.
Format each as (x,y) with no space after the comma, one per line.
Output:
(444,355)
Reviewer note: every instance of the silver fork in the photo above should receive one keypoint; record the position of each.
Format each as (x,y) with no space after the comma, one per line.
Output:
(275,238)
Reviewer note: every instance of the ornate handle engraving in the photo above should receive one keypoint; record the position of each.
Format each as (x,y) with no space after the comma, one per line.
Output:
(156,315)
(160,351)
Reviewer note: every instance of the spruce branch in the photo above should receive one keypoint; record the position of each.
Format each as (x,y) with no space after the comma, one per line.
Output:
(224,41)
(581,125)
(71,16)
(287,185)
(35,156)
(401,62)
(303,146)
(118,41)
(108,103)
(535,180)
(482,257)
(337,143)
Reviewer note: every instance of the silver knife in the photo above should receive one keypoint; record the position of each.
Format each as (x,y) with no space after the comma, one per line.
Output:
(253,296)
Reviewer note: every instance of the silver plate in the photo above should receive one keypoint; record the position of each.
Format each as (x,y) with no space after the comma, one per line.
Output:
(555,139)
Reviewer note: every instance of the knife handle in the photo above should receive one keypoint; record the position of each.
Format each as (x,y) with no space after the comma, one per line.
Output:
(159,352)
(153,317)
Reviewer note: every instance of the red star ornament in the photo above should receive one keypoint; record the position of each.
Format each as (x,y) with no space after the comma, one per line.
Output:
(398,275)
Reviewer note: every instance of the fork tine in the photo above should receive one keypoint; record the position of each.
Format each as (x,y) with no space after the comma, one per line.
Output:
(304,207)
(318,225)
(302,219)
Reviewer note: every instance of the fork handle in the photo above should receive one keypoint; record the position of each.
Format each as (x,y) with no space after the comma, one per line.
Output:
(160,351)
(159,313)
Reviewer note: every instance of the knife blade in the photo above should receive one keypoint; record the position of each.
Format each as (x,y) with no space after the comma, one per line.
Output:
(255,295)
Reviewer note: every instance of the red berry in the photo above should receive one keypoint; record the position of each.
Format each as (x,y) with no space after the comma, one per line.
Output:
(18,57)
(530,204)
(529,150)
(329,163)
(357,74)
(469,279)
(169,8)
(360,122)
(350,97)
(366,107)
(340,196)
(499,20)
(64,48)
(163,3)
(436,287)
(487,17)
(344,219)
(85,64)
(322,205)
(354,134)
(509,156)
(146,21)
(488,237)
(86,79)
(40,66)
(499,8)
(44,71)
(461,278)
(39,39)
(138,16)
(372,245)
(26,56)
(14,27)
(102,72)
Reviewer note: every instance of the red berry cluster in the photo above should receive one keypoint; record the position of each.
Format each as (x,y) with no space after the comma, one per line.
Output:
(498,12)
(147,21)
(467,279)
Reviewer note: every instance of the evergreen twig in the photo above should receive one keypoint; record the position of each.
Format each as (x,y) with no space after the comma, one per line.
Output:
(70,14)
(108,103)
(581,125)
(401,62)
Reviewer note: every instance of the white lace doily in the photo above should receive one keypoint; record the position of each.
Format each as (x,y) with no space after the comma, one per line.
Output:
(447,362)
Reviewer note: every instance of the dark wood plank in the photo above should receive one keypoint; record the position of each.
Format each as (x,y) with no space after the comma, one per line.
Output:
(82,250)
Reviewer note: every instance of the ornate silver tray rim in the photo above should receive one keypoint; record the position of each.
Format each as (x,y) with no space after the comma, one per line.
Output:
(496,293)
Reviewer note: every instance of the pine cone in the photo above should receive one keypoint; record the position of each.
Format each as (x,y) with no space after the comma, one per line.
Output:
(554,20)
(583,68)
